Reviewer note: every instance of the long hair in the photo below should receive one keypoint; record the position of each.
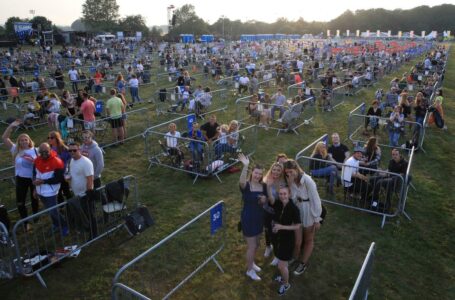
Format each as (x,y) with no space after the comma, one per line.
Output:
(292,164)
(269,172)
(371,145)
(19,149)
(321,149)
(59,141)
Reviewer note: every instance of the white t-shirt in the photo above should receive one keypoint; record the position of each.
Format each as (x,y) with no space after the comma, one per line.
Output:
(134,82)
(73,75)
(23,162)
(172,139)
(351,166)
(55,107)
(80,169)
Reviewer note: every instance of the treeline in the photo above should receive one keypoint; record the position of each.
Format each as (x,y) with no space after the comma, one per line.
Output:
(421,18)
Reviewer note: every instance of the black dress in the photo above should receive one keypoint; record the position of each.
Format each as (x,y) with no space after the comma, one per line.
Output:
(283,245)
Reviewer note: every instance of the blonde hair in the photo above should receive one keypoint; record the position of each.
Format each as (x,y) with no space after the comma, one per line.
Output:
(321,149)
(18,149)
(269,172)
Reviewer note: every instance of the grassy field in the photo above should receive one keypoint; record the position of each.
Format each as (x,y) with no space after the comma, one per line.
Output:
(414,259)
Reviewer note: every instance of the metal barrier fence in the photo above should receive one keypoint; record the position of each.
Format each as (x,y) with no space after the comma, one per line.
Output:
(65,229)
(403,134)
(135,123)
(9,111)
(291,117)
(383,193)
(144,277)
(168,101)
(362,283)
(8,189)
(191,154)
(6,254)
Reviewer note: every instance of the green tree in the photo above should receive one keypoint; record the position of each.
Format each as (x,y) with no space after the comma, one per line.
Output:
(100,15)
(2,30)
(9,25)
(133,23)
(43,22)
(155,33)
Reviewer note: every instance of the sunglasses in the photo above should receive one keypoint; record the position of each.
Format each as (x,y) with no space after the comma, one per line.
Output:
(73,150)
(51,137)
(44,152)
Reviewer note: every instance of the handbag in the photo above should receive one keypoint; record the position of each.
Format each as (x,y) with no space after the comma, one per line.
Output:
(138,221)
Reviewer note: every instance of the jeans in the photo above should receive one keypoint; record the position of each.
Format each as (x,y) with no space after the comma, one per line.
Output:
(394,136)
(331,172)
(57,218)
(135,94)
(281,108)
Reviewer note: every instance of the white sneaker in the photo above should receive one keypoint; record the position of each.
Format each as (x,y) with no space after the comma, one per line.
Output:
(252,274)
(268,251)
(274,262)
(256,268)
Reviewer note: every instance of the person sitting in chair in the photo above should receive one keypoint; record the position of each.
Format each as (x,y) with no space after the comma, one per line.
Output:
(372,118)
(353,180)
(389,182)
(320,167)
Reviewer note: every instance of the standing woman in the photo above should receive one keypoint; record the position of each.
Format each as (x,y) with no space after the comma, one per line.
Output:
(305,195)
(24,153)
(254,196)
(58,145)
(120,84)
(274,180)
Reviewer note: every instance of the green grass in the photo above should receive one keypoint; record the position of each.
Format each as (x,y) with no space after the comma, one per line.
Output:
(414,259)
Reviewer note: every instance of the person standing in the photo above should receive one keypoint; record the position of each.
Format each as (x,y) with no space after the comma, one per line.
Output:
(280,102)
(134,89)
(73,75)
(24,153)
(286,223)
(81,175)
(115,109)
(305,196)
(254,196)
(47,175)
(92,150)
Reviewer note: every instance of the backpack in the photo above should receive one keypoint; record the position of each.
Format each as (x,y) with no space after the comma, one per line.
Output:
(138,220)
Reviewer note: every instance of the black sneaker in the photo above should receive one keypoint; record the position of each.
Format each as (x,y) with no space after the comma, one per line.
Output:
(300,269)
(283,288)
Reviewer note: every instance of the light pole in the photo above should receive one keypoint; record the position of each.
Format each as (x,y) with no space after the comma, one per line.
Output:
(223,16)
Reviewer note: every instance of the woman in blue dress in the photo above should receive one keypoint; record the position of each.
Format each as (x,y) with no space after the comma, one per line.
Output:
(254,196)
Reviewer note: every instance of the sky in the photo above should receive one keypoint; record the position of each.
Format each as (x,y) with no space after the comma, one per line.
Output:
(64,12)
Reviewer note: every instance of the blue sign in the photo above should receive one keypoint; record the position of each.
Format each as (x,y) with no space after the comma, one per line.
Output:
(92,70)
(36,73)
(216,218)
(190,120)
(4,71)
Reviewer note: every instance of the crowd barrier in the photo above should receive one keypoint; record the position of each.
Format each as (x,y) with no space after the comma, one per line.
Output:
(409,133)
(362,283)
(8,189)
(284,118)
(167,100)
(76,224)
(6,254)
(137,121)
(384,193)
(191,153)
(157,272)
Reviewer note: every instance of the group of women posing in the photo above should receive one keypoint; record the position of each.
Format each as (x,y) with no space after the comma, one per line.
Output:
(286,203)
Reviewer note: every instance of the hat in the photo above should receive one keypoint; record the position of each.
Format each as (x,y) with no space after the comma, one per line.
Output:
(359,149)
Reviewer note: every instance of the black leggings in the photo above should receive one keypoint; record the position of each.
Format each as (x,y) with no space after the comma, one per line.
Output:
(22,186)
